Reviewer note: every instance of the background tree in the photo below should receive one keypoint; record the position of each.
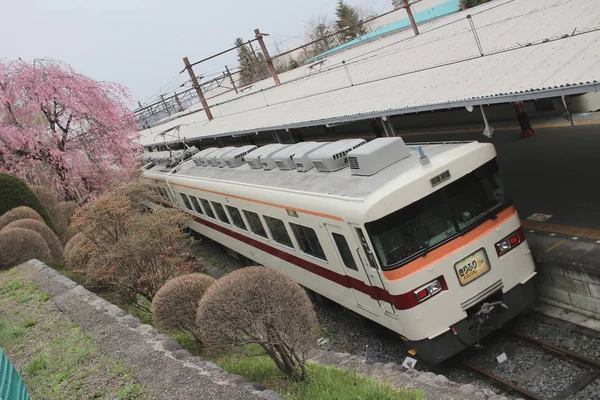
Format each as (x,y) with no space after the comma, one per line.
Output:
(131,251)
(63,128)
(348,16)
(320,28)
(251,62)
(473,3)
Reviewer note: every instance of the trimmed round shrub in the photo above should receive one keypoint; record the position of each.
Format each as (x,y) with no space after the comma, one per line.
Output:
(78,237)
(18,213)
(262,306)
(62,216)
(175,304)
(77,254)
(14,193)
(53,242)
(18,245)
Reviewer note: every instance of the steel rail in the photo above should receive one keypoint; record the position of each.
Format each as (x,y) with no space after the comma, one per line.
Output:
(509,385)
(568,355)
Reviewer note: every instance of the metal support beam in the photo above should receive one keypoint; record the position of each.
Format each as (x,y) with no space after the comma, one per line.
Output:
(410,17)
(263,48)
(190,71)
(231,79)
(164,103)
(178,102)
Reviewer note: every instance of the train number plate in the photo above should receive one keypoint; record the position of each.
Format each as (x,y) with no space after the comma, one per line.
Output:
(472,267)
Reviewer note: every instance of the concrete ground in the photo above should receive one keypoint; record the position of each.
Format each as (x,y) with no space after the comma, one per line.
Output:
(555,172)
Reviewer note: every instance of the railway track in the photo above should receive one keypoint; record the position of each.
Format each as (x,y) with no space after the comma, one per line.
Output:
(590,369)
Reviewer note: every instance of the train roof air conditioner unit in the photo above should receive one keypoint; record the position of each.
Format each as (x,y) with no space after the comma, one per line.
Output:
(215,158)
(376,155)
(285,159)
(333,156)
(200,157)
(235,158)
(262,157)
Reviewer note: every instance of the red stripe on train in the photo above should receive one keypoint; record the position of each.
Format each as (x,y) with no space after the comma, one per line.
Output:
(403,301)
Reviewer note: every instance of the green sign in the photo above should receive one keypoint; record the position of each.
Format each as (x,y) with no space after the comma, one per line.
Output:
(11,385)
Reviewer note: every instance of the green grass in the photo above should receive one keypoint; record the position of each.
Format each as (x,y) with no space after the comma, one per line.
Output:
(56,359)
(323,383)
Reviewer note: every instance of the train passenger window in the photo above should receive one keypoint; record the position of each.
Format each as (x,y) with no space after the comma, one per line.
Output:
(186,201)
(256,225)
(345,252)
(206,206)
(196,205)
(278,231)
(221,212)
(308,241)
(236,217)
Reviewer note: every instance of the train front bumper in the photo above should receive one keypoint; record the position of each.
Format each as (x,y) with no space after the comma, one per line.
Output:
(465,333)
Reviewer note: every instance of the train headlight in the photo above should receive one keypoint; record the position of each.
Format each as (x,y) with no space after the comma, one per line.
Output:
(510,242)
(426,291)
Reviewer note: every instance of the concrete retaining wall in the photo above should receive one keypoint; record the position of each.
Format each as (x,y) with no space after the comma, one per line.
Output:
(568,274)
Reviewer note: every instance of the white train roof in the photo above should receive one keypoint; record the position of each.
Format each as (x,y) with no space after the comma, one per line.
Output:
(341,183)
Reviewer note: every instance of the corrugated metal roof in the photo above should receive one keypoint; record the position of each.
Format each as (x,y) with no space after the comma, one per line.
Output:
(532,49)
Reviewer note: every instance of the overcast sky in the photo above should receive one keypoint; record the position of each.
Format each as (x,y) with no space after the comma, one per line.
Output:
(141,43)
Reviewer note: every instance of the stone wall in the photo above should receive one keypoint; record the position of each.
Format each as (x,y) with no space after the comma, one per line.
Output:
(568,274)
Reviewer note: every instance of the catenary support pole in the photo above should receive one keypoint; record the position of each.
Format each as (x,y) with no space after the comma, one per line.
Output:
(231,79)
(410,17)
(178,102)
(190,71)
(263,48)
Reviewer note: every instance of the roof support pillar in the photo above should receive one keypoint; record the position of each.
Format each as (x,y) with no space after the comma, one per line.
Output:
(388,128)
(276,137)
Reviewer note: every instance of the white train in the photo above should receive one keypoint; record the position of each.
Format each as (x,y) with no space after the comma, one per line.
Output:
(421,240)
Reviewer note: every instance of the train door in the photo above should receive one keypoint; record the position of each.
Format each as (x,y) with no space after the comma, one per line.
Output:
(368,260)
(362,288)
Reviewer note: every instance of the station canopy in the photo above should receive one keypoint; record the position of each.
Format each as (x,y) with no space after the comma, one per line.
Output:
(529,49)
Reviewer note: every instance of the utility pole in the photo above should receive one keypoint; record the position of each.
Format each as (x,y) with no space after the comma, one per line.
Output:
(190,71)
(410,16)
(178,102)
(231,79)
(261,42)
(463,6)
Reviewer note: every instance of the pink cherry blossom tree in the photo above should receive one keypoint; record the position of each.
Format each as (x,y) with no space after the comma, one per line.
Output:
(62,128)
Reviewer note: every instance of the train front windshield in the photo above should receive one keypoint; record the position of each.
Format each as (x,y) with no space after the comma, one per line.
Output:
(411,232)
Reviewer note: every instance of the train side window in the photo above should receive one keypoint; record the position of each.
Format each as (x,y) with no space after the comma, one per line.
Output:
(186,201)
(236,217)
(344,250)
(255,223)
(207,210)
(278,231)
(308,241)
(196,205)
(221,214)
